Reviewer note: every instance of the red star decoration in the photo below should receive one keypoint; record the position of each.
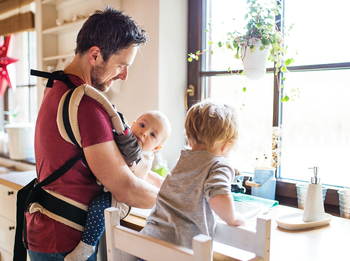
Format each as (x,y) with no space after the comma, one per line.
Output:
(4,61)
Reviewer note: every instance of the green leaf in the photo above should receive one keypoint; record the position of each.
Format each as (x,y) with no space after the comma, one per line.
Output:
(244,89)
(286,98)
(252,48)
(206,30)
(210,42)
(198,52)
(246,16)
(262,48)
(211,52)
(288,62)
(258,25)
(284,69)
(265,41)
(197,58)
(283,79)
(235,44)
(292,60)
(228,69)
(220,44)
(190,59)
(243,73)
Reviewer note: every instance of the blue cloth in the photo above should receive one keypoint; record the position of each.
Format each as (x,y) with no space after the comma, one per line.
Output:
(37,256)
(95,222)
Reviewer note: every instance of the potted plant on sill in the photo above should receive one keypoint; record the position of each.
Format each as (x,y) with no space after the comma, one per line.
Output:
(262,41)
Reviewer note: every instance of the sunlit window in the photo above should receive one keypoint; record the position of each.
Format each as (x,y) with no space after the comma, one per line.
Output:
(19,104)
(315,128)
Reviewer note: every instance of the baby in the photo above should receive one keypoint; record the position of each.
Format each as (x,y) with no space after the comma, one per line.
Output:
(151,130)
(199,186)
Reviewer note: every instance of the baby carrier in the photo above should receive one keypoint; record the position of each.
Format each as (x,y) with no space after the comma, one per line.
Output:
(33,197)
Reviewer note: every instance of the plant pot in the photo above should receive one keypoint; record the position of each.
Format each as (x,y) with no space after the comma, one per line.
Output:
(254,63)
(344,203)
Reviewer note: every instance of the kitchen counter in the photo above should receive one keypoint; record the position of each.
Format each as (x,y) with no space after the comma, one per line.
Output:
(17,179)
(329,242)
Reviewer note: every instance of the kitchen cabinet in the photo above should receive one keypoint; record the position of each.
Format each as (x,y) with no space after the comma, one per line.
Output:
(10,183)
(8,197)
(56,43)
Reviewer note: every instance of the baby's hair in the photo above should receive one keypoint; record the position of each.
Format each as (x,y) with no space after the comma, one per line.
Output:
(209,122)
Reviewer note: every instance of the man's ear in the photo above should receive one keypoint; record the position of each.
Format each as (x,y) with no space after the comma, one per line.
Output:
(157,148)
(94,55)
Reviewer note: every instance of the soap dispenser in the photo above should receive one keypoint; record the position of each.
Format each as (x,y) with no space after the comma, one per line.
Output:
(314,208)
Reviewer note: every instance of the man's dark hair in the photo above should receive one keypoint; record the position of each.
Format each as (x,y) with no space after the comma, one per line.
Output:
(110,30)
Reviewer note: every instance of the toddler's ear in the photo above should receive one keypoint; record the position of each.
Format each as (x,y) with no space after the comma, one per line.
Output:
(157,148)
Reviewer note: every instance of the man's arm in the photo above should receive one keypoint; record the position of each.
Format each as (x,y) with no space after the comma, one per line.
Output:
(109,167)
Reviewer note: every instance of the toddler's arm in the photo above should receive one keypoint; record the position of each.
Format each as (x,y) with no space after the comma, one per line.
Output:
(223,206)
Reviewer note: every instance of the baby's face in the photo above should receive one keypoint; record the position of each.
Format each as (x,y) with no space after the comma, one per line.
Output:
(149,131)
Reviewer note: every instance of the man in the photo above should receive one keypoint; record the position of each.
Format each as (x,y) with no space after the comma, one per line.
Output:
(106,47)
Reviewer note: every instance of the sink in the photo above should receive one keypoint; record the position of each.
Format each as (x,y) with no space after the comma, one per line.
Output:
(8,165)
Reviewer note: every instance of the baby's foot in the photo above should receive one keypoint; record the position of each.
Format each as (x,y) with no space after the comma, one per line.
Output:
(82,252)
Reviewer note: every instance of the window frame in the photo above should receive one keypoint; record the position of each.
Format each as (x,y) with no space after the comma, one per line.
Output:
(285,189)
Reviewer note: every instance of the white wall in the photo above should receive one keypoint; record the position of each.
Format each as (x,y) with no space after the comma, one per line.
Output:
(157,79)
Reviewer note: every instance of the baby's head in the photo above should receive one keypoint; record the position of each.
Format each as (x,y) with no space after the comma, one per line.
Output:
(151,130)
(209,122)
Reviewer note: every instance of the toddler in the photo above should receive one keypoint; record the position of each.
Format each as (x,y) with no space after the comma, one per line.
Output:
(151,130)
(199,186)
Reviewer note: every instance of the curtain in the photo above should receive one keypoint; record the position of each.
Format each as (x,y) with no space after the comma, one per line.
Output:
(15,16)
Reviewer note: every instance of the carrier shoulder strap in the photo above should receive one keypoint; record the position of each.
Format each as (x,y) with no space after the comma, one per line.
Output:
(61,76)
(56,75)
(67,113)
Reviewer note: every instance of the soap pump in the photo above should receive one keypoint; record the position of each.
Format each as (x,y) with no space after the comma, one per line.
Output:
(314,208)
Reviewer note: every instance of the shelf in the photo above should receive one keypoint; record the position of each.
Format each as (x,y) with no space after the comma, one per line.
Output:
(57,57)
(65,28)
(59,2)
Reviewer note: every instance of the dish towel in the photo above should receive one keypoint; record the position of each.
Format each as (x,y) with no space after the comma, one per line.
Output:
(268,203)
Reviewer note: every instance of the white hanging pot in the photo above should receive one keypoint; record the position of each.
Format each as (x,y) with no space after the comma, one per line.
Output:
(254,61)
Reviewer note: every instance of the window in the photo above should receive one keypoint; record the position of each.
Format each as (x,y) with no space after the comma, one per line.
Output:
(19,104)
(315,127)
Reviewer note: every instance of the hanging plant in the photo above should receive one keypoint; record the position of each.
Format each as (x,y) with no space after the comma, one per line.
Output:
(261,35)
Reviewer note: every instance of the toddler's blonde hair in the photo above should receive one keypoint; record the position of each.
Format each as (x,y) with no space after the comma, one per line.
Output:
(209,122)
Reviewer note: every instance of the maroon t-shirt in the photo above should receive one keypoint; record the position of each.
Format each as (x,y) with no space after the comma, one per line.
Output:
(51,152)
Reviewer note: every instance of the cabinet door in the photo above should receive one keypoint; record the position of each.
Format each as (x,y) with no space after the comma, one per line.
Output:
(7,234)
(4,256)
(8,200)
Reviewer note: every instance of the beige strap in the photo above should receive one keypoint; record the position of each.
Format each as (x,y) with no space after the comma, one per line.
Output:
(76,97)
(37,207)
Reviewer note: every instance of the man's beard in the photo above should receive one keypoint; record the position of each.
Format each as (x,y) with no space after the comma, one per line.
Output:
(95,72)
